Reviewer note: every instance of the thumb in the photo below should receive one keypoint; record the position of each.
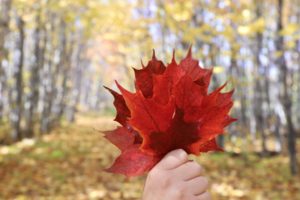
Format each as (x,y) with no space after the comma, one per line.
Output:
(173,159)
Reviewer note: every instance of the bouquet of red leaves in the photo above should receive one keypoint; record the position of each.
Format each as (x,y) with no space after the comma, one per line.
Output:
(170,109)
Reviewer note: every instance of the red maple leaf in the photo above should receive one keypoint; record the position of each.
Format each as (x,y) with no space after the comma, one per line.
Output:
(170,109)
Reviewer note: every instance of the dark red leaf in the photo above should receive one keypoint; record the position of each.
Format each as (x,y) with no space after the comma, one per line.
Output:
(121,137)
(121,107)
(144,77)
(133,162)
(210,145)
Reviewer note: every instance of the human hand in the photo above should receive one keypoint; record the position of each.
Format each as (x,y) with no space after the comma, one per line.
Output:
(176,178)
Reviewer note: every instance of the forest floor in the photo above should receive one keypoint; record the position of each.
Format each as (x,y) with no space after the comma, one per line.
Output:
(69,163)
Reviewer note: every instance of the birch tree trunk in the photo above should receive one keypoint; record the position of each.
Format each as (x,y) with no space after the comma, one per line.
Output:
(286,91)
(47,82)
(17,93)
(76,91)
(35,80)
(5,6)
(258,86)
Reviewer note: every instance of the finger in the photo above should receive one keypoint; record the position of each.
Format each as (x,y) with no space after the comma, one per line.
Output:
(173,159)
(198,185)
(204,196)
(189,170)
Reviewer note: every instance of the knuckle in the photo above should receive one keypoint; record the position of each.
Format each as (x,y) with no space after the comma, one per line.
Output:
(205,182)
(205,196)
(178,192)
(209,196)
(153,173)
(166,182)
(162,178)
(197,167)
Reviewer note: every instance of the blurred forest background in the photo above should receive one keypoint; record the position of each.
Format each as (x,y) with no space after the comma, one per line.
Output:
(56,55)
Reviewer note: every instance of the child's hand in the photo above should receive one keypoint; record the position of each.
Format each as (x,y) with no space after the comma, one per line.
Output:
(176,178)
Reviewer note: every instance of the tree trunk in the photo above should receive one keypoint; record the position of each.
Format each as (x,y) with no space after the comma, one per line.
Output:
(16,104)
(278,139)
(258,87)
(298,81)
(235,72)
(47,81)
(286,93)
(64,67)
(78,73)
(35,80)
(4,30)
(163,28)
